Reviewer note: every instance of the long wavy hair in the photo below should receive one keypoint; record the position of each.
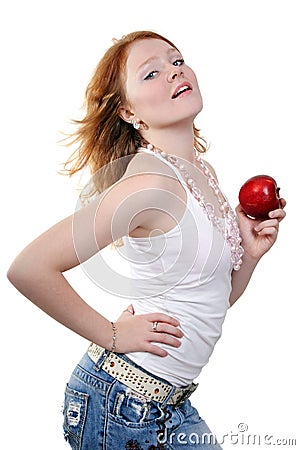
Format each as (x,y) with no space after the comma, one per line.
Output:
(102,136)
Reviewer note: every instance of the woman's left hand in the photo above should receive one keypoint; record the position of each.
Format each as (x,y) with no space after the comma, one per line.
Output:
(259,236)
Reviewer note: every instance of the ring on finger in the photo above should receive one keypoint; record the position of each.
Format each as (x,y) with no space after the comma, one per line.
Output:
(154,326)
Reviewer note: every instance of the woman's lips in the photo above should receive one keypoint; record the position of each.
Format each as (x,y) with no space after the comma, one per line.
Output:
(182,89)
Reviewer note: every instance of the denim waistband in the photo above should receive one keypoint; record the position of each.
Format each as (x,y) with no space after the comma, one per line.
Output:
(118,366)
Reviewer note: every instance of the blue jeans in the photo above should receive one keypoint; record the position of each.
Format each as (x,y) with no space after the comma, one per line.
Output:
(100,412)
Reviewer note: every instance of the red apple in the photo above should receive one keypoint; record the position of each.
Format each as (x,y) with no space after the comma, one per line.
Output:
(259,195)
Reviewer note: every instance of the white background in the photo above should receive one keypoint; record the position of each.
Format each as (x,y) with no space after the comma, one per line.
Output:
(246,56)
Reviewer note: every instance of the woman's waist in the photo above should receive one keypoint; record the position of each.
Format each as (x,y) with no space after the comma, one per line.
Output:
(183,364)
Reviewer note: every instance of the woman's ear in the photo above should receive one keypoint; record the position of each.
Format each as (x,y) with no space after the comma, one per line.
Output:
(126,114)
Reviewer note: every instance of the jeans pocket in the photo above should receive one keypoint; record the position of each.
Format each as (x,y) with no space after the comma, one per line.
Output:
(131,409)
(75,411)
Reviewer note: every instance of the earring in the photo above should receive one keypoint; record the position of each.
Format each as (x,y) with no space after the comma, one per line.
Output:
(136,125)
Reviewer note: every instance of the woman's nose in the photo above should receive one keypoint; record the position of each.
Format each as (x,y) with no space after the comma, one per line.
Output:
(174,73)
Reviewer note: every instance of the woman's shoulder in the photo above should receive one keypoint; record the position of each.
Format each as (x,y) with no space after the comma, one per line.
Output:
(146,171)
(146,164)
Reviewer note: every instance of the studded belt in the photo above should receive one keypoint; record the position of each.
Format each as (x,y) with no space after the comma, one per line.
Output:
(139,381)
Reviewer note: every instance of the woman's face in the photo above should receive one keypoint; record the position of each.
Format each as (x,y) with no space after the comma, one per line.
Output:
(160,88)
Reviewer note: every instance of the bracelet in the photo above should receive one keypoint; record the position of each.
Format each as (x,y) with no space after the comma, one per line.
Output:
(114,338)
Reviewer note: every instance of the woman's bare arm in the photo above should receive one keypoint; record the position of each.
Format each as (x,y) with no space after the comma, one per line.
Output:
(37,272)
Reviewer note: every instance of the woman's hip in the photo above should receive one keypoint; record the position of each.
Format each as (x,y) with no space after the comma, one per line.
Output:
(102,412)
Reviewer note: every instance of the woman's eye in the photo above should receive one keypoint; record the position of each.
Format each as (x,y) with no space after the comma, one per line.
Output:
(178,62)
(150,75)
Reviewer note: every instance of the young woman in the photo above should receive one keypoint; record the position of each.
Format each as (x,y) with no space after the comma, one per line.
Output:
(182,241)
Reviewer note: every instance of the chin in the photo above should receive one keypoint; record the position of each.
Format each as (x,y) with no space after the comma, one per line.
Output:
(195,106)
(196,110)
(200,105)
(199,110)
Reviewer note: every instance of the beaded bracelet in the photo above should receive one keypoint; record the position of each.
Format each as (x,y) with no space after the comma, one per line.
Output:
(114,338)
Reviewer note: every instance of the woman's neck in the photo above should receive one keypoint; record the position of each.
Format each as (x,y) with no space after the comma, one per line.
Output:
(176,141)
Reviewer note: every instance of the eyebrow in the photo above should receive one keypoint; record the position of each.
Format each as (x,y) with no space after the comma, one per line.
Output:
(154,58)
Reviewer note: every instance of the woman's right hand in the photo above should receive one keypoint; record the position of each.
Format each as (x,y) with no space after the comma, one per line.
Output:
(135,333)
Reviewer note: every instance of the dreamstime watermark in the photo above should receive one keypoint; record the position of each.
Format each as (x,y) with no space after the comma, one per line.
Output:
(239,437)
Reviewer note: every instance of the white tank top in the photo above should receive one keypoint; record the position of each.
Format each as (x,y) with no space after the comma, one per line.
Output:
(185,273)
